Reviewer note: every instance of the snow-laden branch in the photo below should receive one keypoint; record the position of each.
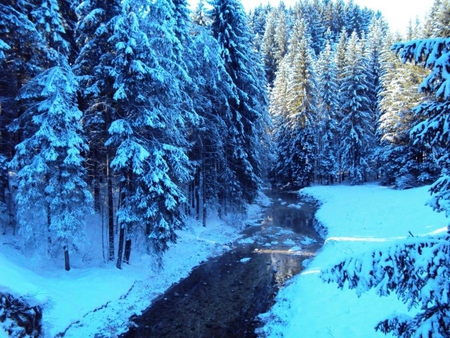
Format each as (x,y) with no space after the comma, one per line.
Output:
(417,271)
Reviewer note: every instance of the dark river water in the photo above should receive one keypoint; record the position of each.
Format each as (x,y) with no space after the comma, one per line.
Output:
(223,296)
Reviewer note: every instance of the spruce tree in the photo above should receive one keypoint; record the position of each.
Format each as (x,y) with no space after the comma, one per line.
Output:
(52,195)
(404,164)
(302,100)
(281,35)
(438,20)
(296,89)
(93,67)
(268,47)
(328,103)
(356,126)
(149,134)
(372,53)
(282,132)
(23,52)
(246,120)
(215,87)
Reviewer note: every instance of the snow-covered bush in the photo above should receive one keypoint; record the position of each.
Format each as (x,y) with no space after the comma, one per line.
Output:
(405,182)
(417,271)
(18,318)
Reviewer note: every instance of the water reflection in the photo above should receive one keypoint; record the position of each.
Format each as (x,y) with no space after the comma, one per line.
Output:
(224,295)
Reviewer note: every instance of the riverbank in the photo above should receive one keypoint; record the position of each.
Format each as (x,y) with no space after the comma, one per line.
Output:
(97,299)
(358,219)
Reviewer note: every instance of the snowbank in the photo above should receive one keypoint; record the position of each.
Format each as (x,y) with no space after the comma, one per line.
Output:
(358,219)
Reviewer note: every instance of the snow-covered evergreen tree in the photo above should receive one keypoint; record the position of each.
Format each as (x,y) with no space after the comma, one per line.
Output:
(438,20)
(372,52)
(433,130)
(269,47)
(356,126)
(215,87)
(403,163)
(52,195)
(92,66)
(417,271)
(296,132)
(48,18)
(247,118)
(149,133)
(23,52)
(282,131)
(302,100)
(328,101)
(281,35)
(315,26)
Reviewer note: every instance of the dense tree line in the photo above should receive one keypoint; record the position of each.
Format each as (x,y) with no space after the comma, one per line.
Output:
(340,109)
(133,110)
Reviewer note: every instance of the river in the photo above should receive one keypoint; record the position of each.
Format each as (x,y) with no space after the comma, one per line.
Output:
(223,296)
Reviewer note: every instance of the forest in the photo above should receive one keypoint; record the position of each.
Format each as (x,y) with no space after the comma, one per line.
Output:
(145,113)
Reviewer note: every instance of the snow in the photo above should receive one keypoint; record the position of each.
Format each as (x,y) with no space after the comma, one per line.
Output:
(97,299)
(358,219)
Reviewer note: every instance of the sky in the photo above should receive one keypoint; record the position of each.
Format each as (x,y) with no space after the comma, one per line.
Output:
(398,13)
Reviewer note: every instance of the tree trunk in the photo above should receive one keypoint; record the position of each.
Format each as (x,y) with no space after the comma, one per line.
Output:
(110,211)
(66,259)
(203,182)
(96,182)
(120,250)
(127,254)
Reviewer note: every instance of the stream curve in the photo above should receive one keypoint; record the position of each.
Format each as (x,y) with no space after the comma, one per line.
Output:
(223,296)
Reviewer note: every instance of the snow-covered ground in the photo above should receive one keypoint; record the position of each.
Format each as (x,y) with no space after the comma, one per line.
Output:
(358,219)
(99,299)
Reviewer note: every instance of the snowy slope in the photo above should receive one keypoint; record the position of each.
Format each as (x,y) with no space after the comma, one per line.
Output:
(359,219)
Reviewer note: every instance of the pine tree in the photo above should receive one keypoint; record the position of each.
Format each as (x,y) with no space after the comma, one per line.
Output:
(257,24)
(149,135)
(403,163)
(296,131)
(438,20)
(23,52)
(282,132)
(434,53)
(93,66)
(315,26)
(416,271)
(52,195)
(215,87)
(302,98)
(281,35)
(328,102)
(268,47)
(247,113)
(341,52)
(372,52)
(200,16)
(356,126)
(49,21)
